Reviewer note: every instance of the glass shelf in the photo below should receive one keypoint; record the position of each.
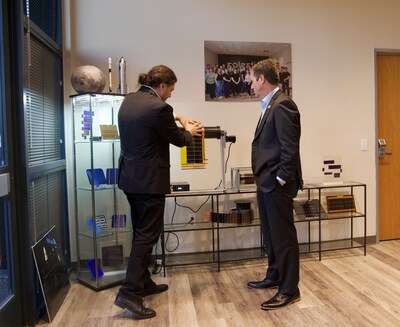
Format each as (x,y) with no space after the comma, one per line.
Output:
(96,141)
(105,233)
(105,243)
(314,191)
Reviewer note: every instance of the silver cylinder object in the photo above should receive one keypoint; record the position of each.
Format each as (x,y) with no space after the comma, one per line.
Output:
(122,88)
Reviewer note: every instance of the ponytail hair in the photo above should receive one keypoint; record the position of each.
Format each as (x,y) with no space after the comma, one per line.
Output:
(157,75)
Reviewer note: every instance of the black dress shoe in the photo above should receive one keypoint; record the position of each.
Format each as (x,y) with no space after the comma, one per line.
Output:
(139,311)
(266,283)
(280,300)
(155,289)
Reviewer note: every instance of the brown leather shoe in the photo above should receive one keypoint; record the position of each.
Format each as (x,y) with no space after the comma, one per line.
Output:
(266,283)
(139,311)
(280,300)
(155,289)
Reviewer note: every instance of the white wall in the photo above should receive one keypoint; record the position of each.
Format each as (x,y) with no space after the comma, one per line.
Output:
(333,69)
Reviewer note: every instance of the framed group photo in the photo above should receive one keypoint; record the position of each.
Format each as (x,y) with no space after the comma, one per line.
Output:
(227,66)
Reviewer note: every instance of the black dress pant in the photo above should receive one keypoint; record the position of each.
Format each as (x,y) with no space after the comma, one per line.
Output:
(147,213)
(279,235)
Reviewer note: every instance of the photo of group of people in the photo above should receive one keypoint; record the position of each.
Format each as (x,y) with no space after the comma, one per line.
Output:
(231,80)
(227,71)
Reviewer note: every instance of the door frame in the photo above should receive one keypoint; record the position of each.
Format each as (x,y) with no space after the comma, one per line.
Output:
(10,312)
(377,52)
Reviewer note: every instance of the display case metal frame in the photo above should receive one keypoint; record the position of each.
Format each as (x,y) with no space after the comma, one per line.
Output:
(91,149)
(216,255)
(321,246)
(310,191)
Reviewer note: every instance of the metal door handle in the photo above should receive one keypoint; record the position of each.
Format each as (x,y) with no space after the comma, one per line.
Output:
(382,149)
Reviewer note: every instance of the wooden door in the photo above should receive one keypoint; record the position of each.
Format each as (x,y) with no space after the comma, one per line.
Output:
(388,85)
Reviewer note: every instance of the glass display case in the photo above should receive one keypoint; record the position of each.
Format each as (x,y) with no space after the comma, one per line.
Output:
(103,225)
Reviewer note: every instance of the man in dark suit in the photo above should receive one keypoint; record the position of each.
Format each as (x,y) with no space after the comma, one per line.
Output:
(147,127)
(277,171)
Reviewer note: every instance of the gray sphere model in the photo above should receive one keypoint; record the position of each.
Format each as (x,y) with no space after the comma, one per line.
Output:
(87,79)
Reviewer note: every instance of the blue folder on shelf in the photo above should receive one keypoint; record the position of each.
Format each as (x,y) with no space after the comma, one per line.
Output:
(97,224)
(91,265)
(93,226)
(118,221)
(112,176)
(98,177)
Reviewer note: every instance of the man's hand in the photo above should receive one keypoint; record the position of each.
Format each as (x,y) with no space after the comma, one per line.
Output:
(184,120)
(194,127)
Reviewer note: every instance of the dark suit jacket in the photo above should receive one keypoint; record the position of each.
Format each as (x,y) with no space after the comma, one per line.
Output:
(147,127)
(275,148)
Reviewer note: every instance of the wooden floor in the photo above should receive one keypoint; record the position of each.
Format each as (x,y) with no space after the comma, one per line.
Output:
(346,288)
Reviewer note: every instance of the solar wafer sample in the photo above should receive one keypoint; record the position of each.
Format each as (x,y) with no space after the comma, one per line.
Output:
(340,203)
(309,209)
(193,156)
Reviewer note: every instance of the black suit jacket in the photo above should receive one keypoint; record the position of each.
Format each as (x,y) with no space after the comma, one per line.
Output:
(147,127)
(275,148)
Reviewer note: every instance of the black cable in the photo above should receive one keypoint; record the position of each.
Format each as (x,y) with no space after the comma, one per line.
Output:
(180,225)
(226,164)
(191,209)
(187,207)
(167,239)
(227,158)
